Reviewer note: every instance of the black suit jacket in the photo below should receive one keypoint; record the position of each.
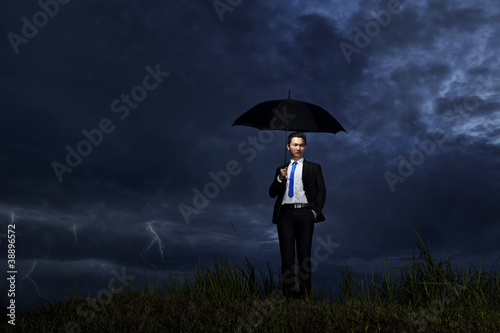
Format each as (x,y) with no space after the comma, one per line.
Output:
(314,187)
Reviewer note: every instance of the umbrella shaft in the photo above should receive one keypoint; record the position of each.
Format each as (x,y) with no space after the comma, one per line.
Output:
(286,141)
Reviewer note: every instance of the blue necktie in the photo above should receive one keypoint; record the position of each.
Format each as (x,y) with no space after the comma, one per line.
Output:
(292,174)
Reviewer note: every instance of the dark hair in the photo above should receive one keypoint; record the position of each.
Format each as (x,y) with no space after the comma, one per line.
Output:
(297,135)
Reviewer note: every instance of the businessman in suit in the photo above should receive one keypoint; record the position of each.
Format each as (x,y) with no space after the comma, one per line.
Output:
(300,194)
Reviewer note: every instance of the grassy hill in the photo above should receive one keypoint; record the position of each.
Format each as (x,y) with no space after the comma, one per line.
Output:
(422,296)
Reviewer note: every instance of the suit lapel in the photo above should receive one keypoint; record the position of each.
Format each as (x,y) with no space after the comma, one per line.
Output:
(305,169)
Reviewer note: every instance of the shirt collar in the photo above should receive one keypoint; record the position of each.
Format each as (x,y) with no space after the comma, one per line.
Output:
(301,161)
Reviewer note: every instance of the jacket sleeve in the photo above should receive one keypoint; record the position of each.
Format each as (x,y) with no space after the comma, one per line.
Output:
(276,187)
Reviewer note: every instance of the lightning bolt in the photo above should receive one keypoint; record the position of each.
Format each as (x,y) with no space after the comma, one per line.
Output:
(100,270)
(76,237)
(27,276)
(155,239)
(12,221)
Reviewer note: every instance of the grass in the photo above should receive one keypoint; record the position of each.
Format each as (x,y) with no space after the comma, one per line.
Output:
(421,296)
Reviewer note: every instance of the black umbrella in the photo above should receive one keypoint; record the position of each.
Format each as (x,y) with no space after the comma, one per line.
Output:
(289,115)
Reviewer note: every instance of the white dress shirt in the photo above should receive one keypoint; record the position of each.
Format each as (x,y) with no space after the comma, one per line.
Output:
(299,196)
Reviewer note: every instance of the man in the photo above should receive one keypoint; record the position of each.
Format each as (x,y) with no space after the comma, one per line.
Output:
(301,192)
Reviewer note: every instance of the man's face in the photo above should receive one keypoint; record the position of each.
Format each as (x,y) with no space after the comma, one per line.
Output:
(297,148)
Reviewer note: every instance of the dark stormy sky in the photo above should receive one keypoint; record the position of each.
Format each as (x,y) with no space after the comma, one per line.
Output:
(115,115)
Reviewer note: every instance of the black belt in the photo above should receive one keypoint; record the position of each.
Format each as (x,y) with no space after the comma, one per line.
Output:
(296,206)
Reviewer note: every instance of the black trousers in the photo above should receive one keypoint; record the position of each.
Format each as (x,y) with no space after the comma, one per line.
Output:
(295,228)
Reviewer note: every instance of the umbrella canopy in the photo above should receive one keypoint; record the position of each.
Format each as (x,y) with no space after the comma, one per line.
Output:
(289,115)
